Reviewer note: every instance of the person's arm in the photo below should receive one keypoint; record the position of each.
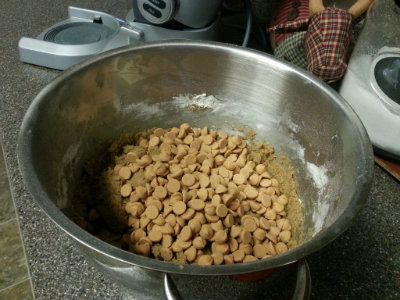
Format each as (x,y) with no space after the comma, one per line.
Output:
(360,7)
(315,6)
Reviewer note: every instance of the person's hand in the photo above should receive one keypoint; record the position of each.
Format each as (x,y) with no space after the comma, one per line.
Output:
(315,6)
(360,7)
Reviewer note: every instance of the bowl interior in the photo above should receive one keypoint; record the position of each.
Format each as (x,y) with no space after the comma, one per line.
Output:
(77,116)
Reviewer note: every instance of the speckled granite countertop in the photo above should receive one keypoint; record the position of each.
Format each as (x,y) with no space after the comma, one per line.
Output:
(364,263)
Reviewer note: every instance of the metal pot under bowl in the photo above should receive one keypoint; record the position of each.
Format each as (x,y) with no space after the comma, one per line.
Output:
(132,89)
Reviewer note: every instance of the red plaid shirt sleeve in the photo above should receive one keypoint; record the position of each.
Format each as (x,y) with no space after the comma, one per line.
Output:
(326,43)
(290,26)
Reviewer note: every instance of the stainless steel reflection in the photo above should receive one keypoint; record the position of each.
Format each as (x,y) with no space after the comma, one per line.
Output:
(77,115)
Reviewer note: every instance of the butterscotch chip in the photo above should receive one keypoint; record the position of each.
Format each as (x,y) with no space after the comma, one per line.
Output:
(229,164)
(177,229)
(212,219)
(154,141)
(206,232)
(160,192)
(134,208)
(238,255)
(218,258)
(229,221)
(131,157)
(245,236)
(221,210)
(201,158)
(180,221)
(202,194)
(239,179)
(220,236)
(167,229)
(185,234)
(216,199)
(259,251)
(171,219)
(235,231)
(221,248)
(271,237)
(125,173)
(143,249)
(166,254)
(190,254)
(249,224)
(265,183)
(155,235)
(151,212)
(270,191)
(173,186)
(166,241)
(270,248)
(281,248)
(227,198)
(260,168)
(233,244)
(255,206)
(278,207)
(270,214)
(176,247)
(159,132)
(205,260)
(179,207)
(247,248)
(204,180)
(265,200)
(274,230)
(223,172)
(282,199)
(251,192)
(209,209)
(188,214)
(283,224)
(197,204)
(171,135)
(126,190)
(259,234)
(137,234)
(188,139)
(195,225)
(191,159)
(199,242)
(254,179)
(217,225)
(228,259)
(249,258)
(188,179)
(149,174)
(285,236)
(200,216)
(220,189)
(196,144)
(208,139)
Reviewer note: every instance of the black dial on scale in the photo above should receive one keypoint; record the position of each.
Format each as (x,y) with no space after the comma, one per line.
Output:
(157,11)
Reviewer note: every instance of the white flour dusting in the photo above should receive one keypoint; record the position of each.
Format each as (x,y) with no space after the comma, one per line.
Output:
(201,101)
(320,180)
(318,174)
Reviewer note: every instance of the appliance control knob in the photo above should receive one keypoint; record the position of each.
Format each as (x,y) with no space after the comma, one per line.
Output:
(157,11)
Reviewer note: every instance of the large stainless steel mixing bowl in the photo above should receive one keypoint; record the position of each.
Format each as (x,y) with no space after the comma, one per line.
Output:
(77,115)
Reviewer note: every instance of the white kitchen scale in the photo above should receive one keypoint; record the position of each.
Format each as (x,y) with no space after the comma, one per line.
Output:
(87,32)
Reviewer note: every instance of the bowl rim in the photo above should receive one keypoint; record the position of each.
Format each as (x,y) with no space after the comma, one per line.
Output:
(320,240)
